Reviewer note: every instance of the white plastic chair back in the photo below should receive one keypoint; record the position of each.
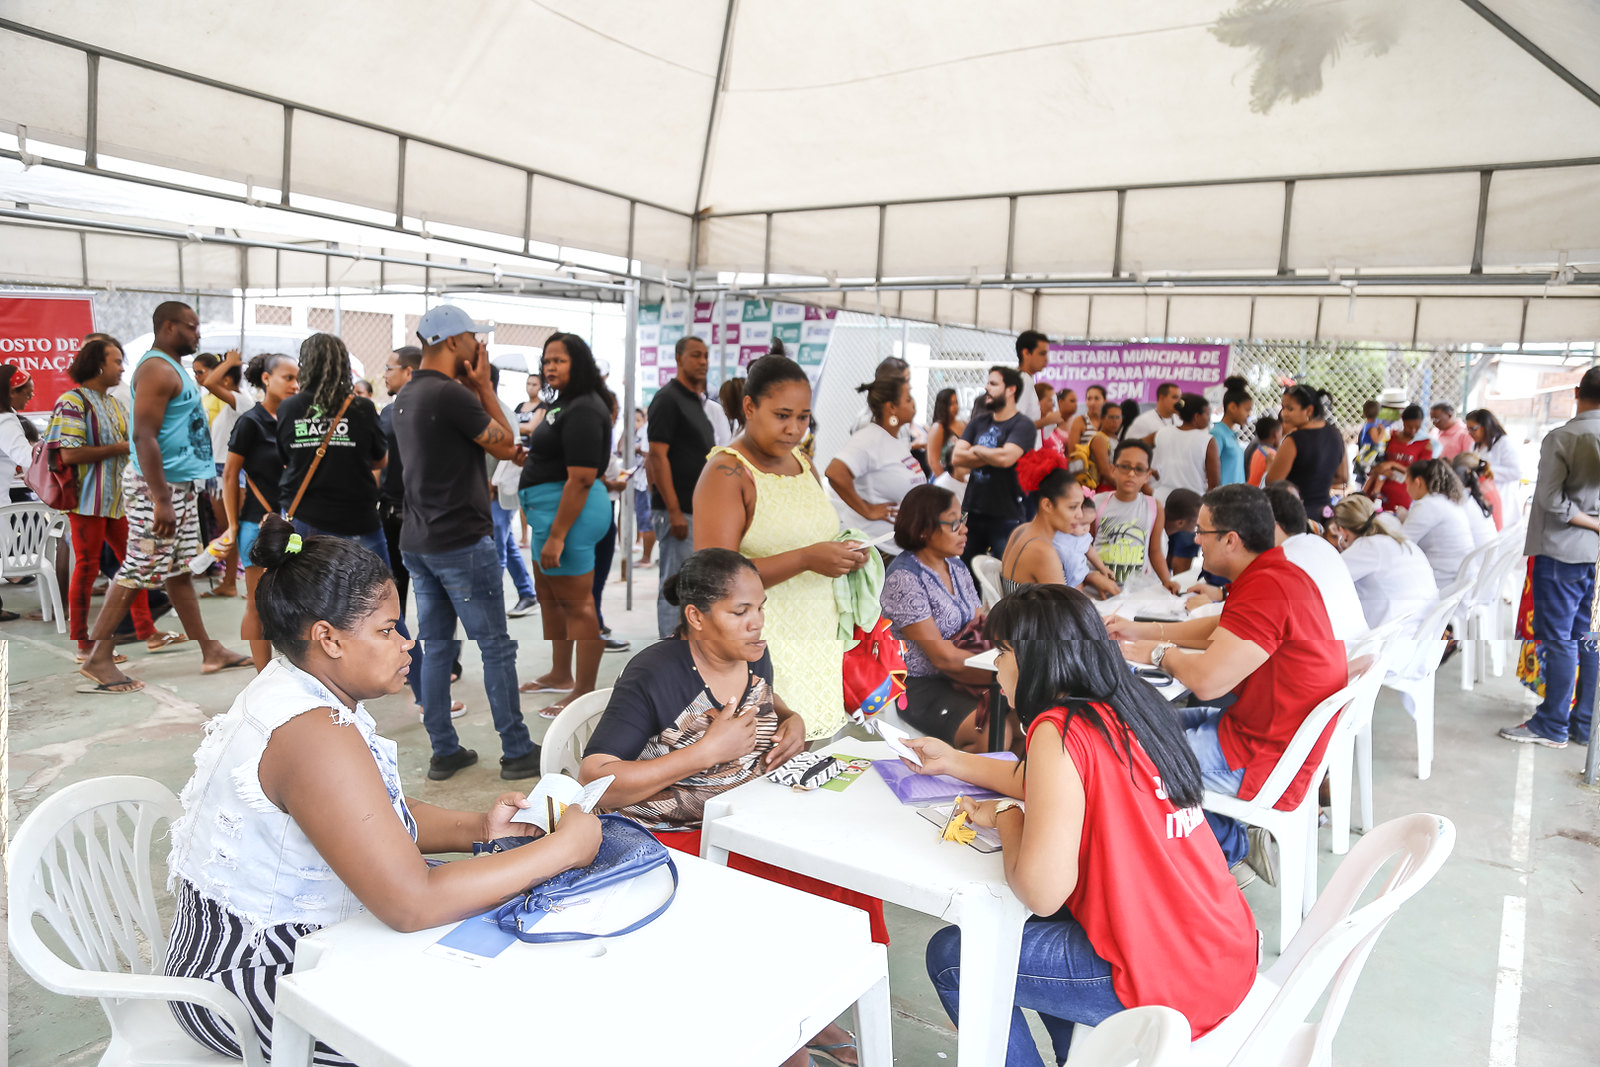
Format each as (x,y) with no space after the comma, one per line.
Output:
(1299,750)
(1419,655)
(1151,1036)
(1366,678)
(1331,947)
(82,863)
(562,749)
(986,569)
(27,532)
(1474,561)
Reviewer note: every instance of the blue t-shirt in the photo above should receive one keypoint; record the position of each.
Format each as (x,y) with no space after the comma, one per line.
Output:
(185,436)
(1229,452)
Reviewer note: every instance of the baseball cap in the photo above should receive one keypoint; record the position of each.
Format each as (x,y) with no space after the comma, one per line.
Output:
(447,321)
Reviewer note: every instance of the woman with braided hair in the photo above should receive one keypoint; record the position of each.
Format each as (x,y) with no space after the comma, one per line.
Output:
(338,493)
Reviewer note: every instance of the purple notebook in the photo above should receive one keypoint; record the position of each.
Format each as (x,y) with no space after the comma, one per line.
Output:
(909,787)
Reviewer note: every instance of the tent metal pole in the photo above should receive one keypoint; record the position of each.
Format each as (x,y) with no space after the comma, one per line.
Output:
(1283,239)
(1584,88)
(288,153)
(1116,252)
(1484,177)
(91,135)
(400,189)
(630,380)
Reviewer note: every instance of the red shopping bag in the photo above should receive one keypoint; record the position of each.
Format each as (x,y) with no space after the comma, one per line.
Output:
(874,672)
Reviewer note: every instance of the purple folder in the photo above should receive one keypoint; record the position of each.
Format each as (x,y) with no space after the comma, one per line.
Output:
(915,789)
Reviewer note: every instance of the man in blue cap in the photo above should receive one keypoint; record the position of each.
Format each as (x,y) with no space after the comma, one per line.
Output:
(445,419)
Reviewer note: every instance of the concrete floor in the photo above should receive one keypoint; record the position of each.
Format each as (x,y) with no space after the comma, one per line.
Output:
(1428,994)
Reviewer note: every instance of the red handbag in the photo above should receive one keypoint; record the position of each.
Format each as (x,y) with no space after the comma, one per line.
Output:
(55,483)
(874,672)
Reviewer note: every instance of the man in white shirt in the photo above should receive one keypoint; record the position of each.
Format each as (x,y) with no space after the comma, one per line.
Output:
(1321,562)
(1165,413)
(1033,356)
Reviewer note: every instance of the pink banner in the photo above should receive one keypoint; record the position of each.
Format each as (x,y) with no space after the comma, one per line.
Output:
(1136,371)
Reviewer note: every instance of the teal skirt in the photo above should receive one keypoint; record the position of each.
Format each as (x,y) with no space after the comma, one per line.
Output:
(539,503)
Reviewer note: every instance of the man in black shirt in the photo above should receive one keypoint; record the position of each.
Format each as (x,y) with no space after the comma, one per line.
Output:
(990,447)
(445,419)
(680,436)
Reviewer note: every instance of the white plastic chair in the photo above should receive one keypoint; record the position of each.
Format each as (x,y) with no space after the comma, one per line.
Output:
(1294,830)
(1350,749)
(986,569)
(1415,669)
(1151,1036)
(82,862)
(1328,953)
(30,536)
(1487,620)
(562,749)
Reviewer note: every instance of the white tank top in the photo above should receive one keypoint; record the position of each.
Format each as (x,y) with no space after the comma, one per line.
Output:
(1181,459)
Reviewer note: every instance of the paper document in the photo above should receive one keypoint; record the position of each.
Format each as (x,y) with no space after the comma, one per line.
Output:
(895,738)
(876,541)
(563,792)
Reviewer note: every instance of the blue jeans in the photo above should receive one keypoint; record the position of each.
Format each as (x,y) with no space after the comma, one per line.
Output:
(372,541)
(505,542)
(670,554)
(466,585)
(1059,975)
(1200,727)
(1563,594)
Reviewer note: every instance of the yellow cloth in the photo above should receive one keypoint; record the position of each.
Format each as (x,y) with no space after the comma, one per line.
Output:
(802,628)
(212,405)
(957,830)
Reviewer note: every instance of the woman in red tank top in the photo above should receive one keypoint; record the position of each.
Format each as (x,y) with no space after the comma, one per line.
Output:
(1133,901)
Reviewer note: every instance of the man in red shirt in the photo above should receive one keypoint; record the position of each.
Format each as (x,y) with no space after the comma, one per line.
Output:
(1272,648)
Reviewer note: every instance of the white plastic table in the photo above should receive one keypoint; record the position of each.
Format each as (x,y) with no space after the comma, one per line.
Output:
(738,971)
(865,840)
(1171,691)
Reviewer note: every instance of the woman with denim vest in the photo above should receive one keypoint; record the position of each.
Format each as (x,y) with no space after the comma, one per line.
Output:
(295,818)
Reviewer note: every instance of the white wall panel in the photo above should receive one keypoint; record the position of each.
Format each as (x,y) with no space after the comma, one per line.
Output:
(152,118)
(1425,220)
(1535,215)
(949,239)
(1564,319)
(737,243)
(1064,315)
(571,215)
(341,161)
(810,242)
(1467,320)
(1287,318)
(32,254)
(661,238)
(1373,318)
(1209,316)
(1213,228)
(1119,316)
(26,65)
(1068,235)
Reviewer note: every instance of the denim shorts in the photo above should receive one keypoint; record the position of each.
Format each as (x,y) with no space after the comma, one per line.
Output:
(248,532)
(539,503)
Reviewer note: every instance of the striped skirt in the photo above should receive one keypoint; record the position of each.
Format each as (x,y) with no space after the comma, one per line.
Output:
(208,942)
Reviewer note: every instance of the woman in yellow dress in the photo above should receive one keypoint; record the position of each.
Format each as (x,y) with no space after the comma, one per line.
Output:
(761,497)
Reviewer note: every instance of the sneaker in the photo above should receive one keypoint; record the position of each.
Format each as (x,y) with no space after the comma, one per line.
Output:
(1242,874)
(1263,857)
(442,767)
(605,631)
(521,767)
(1522,733)
(617,645)
(522,607)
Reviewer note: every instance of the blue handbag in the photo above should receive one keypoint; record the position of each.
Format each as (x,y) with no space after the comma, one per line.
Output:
(627,850)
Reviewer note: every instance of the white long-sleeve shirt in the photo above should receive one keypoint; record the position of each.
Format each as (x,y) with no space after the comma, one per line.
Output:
(1392,578)
(16,452)
(1440,529)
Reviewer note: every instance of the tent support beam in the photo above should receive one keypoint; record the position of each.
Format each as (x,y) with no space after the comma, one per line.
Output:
(1116,251)
(400,189)
(1267,281)
(1283,240)
(91,122)
(1587,91)
(715,111)
(1484,178)
(288,153)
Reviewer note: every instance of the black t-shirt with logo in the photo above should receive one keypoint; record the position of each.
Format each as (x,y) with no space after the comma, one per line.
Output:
(574,433)
(995,491)
(342,497)
(678,421)
(436,419)
(255,438)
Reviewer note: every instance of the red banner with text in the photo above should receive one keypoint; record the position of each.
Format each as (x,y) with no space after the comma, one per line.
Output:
(41,333)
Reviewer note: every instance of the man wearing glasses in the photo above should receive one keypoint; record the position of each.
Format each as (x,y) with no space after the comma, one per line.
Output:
(990,447)
(1272,649)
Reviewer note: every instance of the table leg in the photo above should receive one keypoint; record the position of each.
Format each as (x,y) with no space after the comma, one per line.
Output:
(873,1027)
(991,942)
(291,1043)
(997,717)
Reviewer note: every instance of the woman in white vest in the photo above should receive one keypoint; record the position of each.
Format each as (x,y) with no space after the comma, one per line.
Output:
(295,818)
(1186,455)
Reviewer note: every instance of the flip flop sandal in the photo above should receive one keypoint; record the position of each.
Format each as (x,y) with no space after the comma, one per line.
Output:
(551,711)
(169,643)
(242,661)
(9,616)
(217,594)
(109,688)
(826,1052)
(535,687)
(83,657)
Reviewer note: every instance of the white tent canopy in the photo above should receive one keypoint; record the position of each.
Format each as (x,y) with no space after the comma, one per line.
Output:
(1174,167)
